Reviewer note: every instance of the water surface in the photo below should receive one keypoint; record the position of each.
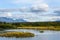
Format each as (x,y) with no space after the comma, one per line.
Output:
(46,35)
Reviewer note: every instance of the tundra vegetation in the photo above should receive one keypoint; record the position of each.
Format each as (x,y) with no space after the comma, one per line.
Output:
(31,25)
(17,34)
(27,25)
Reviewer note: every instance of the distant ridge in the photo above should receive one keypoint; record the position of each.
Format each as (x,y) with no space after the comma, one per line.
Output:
(5,19)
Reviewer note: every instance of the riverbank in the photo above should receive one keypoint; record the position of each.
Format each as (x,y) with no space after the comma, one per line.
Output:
(41,28)
(31,25)
(17,34)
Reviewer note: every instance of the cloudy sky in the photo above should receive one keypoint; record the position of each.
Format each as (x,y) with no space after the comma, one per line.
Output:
(31,10)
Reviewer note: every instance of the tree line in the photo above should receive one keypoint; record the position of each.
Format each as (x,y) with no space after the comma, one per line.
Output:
(6,25)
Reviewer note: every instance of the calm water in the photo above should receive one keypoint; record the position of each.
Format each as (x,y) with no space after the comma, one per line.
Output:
(47,35)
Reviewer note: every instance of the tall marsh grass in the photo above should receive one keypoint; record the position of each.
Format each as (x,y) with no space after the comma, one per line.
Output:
(17,34)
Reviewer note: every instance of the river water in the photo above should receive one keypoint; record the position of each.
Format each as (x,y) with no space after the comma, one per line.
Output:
(46,35)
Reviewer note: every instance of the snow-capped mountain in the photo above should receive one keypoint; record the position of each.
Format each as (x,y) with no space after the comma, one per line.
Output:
(8,19)
(5,19)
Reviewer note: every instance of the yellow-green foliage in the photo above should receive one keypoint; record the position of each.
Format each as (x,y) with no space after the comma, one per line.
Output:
(17,34)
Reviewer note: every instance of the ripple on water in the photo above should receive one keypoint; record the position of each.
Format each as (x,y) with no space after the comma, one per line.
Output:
(46,35)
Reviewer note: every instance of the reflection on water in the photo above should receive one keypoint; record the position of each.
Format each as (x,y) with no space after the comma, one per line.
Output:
(46,35)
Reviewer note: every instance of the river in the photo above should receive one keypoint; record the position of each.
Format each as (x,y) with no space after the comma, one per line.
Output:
(46,35)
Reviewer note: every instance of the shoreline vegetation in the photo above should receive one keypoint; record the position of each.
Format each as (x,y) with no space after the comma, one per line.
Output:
(41,28)
(55,26)
(31,25)
(17,34)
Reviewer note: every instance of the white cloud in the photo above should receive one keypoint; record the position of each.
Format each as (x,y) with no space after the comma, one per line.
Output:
(35,8)
(43,18)
(57,12)
(41,6)
(30,17)
(34,4)
(34,17)
(6,14)
(9,14)
(30,13)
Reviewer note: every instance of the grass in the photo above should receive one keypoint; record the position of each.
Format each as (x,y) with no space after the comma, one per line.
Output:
(41,28)
(17,34)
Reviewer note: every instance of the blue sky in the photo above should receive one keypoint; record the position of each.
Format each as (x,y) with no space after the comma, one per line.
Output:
(31,10)
(21,3)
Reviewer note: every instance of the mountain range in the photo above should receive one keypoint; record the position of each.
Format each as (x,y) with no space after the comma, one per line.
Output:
(5,19)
